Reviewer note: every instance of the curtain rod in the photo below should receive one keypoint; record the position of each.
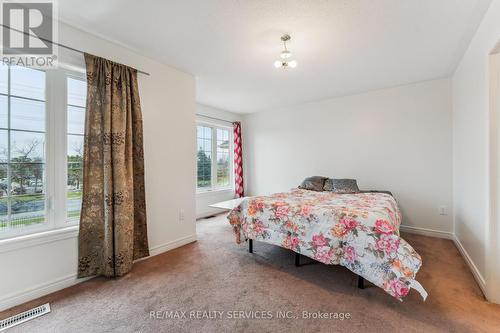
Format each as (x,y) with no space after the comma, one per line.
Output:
(58,44)
(202,115)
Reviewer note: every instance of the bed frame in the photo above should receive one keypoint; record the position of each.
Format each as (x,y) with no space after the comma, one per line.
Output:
(361,280)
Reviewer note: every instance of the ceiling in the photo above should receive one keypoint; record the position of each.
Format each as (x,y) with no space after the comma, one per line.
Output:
(342,46)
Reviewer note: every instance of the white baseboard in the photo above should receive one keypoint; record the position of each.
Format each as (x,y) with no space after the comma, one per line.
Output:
(475,272)
(427,232)
(70,280)
(449,235)
(155,250)
(39,291)
(46,288)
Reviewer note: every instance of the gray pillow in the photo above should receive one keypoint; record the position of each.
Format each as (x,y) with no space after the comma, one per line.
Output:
(341,185)
(314,183)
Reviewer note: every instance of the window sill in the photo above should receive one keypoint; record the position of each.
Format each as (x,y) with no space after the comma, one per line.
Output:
(202,193)
(15,243)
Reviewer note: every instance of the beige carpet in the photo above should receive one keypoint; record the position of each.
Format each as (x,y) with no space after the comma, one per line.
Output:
(215,274)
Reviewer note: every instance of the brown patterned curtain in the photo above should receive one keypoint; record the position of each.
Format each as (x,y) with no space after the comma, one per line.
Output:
(113,219)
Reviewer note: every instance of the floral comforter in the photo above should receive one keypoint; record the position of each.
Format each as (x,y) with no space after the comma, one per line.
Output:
(359,231)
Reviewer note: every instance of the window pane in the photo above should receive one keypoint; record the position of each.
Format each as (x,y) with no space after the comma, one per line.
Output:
(27,146)
(26,178)
(204,156)
(199,144)
(3,179)
(77,92)
(74,196)
(76,120)
(27,114)
(222,138)
(3,79)
(75,177)
(199,131)
(74,206)
(223,171)
(3,197)
(204,169)
(206,138)
(75,148)
(207,146)
(27,210)
(4,120)
(22,167)
(4,201)
(223,146)
(27,82)
(4,149)
(223,156)
(207,133)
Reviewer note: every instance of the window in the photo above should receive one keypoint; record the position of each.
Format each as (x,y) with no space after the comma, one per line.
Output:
(214,157)
(22,148)
(204,156)
(223,158)
(41,146)
(77,92)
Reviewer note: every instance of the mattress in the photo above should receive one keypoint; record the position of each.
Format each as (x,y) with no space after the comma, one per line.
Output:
(358,231)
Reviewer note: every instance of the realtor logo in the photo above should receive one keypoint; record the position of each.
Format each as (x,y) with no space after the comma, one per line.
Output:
(35,22)
(28,29)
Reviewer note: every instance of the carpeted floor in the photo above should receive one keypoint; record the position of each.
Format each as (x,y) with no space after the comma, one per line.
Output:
(215,274)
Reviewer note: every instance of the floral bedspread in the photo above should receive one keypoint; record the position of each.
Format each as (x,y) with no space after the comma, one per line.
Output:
(359,231)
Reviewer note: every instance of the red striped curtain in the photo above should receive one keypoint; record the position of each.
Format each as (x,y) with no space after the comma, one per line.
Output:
(238,160)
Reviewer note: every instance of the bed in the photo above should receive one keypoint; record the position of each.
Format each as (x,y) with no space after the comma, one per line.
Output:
(359,231)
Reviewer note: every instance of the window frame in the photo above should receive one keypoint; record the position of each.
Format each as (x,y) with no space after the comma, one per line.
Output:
(211,189)
(55,182)
(48,189)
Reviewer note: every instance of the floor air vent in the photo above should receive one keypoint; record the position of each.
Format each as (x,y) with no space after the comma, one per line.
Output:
(24,316)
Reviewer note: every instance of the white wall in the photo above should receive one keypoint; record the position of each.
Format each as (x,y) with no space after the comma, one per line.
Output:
(203,200)
(168,103)
(471,156)
(395,139)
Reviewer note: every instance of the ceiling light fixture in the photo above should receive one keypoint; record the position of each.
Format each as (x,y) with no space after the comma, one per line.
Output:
(285,55)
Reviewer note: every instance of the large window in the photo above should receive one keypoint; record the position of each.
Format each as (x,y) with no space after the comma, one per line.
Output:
(214,157)
(22,147)
(41,146)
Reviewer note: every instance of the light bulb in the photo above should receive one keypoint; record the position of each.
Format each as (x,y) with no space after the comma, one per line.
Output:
(292,63)
(285,54)
(278,64)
